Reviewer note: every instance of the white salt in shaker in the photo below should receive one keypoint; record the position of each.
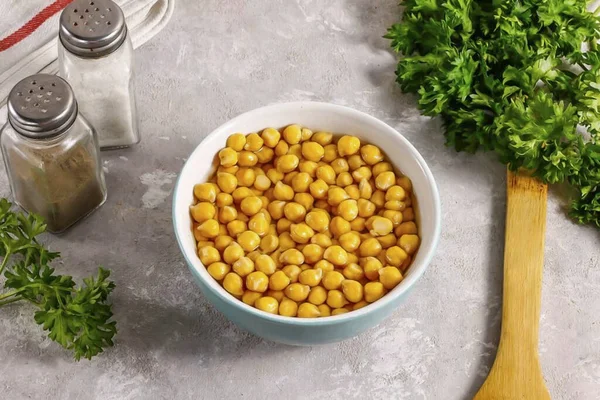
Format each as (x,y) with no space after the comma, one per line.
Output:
(96,58)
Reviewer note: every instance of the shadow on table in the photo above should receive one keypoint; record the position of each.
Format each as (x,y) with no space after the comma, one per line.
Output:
(197,331)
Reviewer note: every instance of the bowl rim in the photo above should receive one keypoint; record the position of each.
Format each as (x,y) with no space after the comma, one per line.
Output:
(405,285)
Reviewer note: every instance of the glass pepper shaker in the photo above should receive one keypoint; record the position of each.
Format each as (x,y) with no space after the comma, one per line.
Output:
(51,153)
(95,56)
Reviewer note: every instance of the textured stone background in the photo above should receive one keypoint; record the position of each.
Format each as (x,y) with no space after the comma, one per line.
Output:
(216,59)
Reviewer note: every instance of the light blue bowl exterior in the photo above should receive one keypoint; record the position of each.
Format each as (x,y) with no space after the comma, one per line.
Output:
(313,331)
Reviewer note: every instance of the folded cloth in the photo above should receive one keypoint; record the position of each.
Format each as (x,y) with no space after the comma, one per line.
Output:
(29,30)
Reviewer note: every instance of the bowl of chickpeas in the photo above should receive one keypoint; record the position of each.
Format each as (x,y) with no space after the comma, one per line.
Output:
(306,223)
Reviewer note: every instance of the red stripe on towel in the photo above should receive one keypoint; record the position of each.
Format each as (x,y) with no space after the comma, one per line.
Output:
(32,24)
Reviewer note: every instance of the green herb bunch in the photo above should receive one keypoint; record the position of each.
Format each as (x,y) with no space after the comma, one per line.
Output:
(78,319)
(517,77)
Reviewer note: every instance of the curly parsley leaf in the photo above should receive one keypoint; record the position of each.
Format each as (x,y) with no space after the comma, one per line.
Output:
(511,77)
(78,318)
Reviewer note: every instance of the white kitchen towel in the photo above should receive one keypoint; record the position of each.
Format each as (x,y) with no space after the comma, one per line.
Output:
(29,29)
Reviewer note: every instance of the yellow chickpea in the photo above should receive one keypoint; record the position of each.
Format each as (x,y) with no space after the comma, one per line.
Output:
(297,291)
(353,191)
(301,233)
(336,255)
(286,241)
(259,224)
(237,141)
(310,167)
(262,182)
(301,182)
(365,189)
(206,192)
(395,256)
(292,134)
(305,200)
(344,179)
(336,299)
(292,272)
(322,240)
(312,151)
(380,167)
(409,243)
(387,241)
(203,211)
(348,145)
(228,157)
(373,291)
(294,212)
(229,170)
(311,277)
(267,304)
(265,155)
(209,255)
(378,198)
(287,179)
(326,174)
(371,154)
(385,180)
(322,205)
(270,137)
(276,208)
(283,225)
(369,247)
(269,243)
(366,208)
(243,266)
(359,305)
(350,241)
(330,153)
(276,294)
(371,267)
(312,253)
(339,226)
(288,308)
(308,310)
(251,205)
(240,194)
(362,173)
(232,253)
(274,175)
(234,284)
(287,163)
(282,148)
(323,138)
(249,240)
(218,270)
(249,297)
(405,183)
(224,199)
(324,265)
(352,290)
(390,277)
(209,228)
(226,182)
(335,195)
(396,217)
(278,281)
(253,142)
(358,224)
(406,228)
(318,189)
(292,256)
(222,241)
(282,191)
(339,311)
(379,226)
(257,281)
(408,215)
(227,214)
(332,280)
(355,162)
(247,159)
(348,209)
(354,272)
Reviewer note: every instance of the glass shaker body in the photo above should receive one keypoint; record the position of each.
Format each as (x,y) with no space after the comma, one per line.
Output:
(59,176)
(100,71)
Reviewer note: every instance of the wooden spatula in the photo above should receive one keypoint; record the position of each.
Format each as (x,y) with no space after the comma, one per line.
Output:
(516,373)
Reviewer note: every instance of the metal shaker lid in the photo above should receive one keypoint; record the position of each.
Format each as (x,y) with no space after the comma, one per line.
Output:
(92,28)
(41,106)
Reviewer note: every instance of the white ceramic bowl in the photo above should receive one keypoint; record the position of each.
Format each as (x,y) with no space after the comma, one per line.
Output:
(315,116)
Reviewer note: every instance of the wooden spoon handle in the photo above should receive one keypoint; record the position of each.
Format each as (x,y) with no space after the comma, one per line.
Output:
(516,373)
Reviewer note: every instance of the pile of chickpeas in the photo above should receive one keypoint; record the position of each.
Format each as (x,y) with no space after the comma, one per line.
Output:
(303,225)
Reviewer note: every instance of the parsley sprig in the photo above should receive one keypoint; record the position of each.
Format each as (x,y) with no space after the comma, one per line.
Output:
(517,77)
(78,318)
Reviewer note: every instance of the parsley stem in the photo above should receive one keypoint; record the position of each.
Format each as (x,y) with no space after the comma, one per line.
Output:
(10,294)
(4,262)
(13,300)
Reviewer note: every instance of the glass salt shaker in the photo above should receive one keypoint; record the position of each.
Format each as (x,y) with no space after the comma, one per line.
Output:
(95,56)
(51,153)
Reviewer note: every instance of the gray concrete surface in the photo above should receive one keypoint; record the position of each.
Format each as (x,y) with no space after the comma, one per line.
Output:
(215,60)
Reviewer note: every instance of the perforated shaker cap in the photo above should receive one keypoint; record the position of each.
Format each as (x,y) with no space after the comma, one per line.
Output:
(92,28)
(41,106)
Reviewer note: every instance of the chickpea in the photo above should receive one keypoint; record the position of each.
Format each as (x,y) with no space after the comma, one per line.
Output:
(317,295)
(332,280)
(247,159)
(287,163)
(353,271)
(297,291)
(270,137)
(312,151)
(301,182)
(311,277)
(249,297)
(292,134)
(373,291)
(336,299)
(203,211)
(390,277)
(218,270)
(282,148)
(339,226)
(409,243)
(323,138)
(326,174)
(294,212)
(226,182)
(308,310)
(224,199)
(234,284)
(348,209)
(352,290)
(267,304)
(228,157)
(257,281)
(305,200)
(292,272)
(209,255)
(206,192)
(301,233)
